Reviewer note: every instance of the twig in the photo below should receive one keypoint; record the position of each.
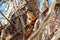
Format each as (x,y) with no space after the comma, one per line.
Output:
(7,19)
(23,25)
(2,34)
(1,24)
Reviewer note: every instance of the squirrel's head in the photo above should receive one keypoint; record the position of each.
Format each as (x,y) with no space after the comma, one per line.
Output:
(30,16)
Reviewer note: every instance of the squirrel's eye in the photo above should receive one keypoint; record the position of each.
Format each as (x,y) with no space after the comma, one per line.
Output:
(29,18)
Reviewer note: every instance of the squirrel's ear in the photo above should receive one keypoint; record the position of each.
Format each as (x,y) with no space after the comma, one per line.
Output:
(30,14)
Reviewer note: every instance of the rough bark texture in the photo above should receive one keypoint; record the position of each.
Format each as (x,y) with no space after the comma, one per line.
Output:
(22,20)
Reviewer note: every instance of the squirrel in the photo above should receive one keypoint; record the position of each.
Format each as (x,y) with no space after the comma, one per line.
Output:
(31,20)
